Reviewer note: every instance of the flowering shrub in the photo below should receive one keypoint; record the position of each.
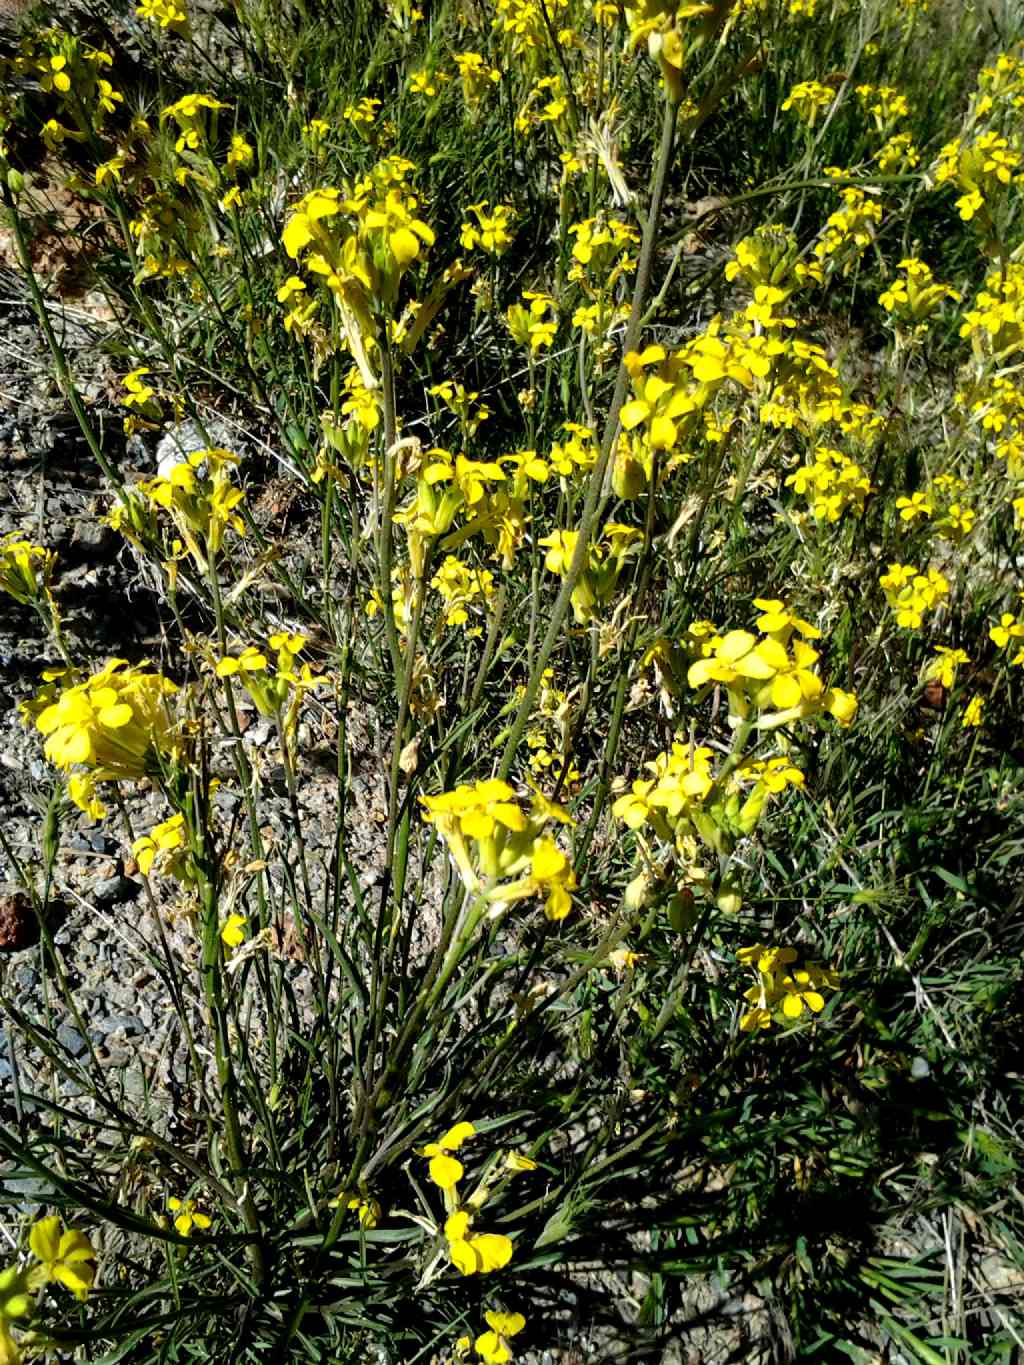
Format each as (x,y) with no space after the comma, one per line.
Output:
(664,543)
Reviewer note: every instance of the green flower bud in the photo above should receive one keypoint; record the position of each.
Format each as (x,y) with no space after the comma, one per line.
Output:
(682,911)
(15,1298)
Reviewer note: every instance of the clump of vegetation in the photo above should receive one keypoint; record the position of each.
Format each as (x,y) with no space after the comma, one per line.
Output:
(646,383)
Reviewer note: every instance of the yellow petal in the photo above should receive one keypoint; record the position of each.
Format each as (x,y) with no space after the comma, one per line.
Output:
(507,1324)
(44,1238)
(634,413)
(490,1347)
(456,1136)
(456,1226)
(445,1171)
(463,1257)
(492,1250)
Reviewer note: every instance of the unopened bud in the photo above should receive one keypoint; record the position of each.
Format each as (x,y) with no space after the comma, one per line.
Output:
(682,911)
(638,893)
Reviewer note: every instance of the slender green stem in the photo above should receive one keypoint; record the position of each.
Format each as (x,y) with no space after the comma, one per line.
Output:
(60,361)
(595,484)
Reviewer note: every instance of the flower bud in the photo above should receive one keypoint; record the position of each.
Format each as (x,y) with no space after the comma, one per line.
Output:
(682,911)
(728,897)
(639,892)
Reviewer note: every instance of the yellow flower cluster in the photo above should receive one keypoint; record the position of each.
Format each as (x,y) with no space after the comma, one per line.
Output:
(808,99)
(899,153)
(523,23)
(117,724)
(476,76)
(199,495)
(26,570)
(1005,636)
(188,1216)
(277,688)
(850,230)
(164,847)
(493,1346)
(982,169)
(169,14)
(463,403)
(359,246)
(490,232)
(940,501)
(995,325)
(464,590)
(911,593)
(500,849)
(189,113)
(446,487)
(769,256)
(914,296)
(534,325)
(833,484)
(602,247)
(69,69)
(551,729)
(64,1256)
(1000,93)
(428,82)
(773,673)
(943,668)
(783,990)
(685,802)
(605,559)
(884,103)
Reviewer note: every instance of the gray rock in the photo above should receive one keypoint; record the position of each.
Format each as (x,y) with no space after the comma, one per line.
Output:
(71,1040)
(114,890)
(113,1022)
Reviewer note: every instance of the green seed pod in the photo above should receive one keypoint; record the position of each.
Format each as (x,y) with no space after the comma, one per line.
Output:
(682,911)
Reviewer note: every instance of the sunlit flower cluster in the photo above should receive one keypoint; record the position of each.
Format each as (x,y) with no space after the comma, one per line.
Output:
(26,570)
(117,724)
(500,848)
(833,484)
(277,687)
(912,594)
(603,564)
(914,295)
(201,498)
(783,989)
(808,99)
(773,674)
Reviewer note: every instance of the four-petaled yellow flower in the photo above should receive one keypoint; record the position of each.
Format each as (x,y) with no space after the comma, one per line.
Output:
(66,1255)
(492,1347)
(189,1216)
